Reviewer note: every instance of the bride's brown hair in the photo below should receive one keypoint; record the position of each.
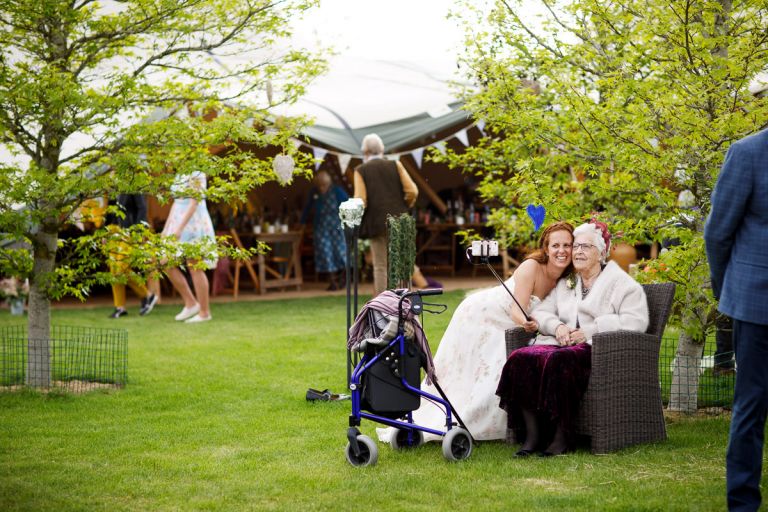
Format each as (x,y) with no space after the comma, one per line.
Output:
(540,254)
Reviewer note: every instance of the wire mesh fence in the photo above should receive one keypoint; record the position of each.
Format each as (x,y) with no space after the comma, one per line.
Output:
(74,359)
(716,375)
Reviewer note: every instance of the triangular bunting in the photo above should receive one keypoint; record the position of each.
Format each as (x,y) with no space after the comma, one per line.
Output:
(319,154)
(440,146)
(343,159)
(481,126)
(182,112)
(462,136)
(418,155)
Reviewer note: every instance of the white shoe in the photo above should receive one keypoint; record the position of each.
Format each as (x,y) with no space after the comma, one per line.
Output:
(197,319)
(188,312)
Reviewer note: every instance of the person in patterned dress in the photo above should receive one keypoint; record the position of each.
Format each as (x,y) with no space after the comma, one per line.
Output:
(328,235)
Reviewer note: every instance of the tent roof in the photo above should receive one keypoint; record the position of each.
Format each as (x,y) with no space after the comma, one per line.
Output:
(402,134)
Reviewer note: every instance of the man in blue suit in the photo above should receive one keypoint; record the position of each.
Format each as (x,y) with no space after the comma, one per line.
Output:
(736,236)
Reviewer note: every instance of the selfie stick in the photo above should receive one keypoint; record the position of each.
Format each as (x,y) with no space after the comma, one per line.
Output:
(485,259)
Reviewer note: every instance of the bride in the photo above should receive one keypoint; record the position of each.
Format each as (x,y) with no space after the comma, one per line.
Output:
(471,354)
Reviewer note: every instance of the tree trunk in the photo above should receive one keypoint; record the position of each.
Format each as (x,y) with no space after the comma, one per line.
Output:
(39,324)
(684,393)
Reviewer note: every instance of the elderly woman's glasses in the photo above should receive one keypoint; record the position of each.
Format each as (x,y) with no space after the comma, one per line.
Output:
(583,247)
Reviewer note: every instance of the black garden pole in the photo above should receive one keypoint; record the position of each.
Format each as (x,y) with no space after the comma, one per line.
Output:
(351,214)
(352,278)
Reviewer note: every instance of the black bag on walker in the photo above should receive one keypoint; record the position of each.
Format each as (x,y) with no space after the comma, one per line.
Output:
(383,392)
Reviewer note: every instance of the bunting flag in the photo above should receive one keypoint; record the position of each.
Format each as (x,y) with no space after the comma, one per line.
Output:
(418,156)
(319,154)
(182,112)
(343,159)
(462,136)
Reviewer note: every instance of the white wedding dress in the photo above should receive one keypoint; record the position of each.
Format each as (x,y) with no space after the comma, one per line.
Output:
(468,365)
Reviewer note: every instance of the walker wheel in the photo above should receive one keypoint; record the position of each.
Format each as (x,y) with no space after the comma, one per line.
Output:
(457,444)
(369,453)
(400,439)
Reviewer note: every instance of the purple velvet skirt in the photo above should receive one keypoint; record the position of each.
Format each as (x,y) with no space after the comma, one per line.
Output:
(548,380)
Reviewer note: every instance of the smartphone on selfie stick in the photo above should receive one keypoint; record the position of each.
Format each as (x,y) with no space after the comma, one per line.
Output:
(484,250)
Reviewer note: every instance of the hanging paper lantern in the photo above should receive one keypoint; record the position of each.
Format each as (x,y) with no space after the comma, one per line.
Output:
(283,166)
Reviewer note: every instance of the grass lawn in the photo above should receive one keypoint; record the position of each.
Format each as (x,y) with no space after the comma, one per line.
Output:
(214,418)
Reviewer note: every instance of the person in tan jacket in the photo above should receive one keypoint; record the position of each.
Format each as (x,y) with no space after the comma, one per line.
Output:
(386,189)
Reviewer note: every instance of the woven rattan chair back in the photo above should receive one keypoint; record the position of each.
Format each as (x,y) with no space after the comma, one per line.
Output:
(660,298)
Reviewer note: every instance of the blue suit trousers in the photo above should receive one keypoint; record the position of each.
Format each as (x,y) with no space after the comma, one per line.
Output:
(744,459)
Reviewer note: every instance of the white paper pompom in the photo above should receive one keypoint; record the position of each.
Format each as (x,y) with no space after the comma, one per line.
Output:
(351,212)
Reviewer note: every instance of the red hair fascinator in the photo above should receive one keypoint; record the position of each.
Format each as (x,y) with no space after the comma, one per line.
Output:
(603,227)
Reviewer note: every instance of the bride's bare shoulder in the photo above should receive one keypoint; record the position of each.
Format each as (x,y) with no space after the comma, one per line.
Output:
(528,268)
(526,275)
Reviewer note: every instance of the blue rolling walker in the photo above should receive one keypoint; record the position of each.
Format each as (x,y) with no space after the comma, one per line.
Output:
(386,388)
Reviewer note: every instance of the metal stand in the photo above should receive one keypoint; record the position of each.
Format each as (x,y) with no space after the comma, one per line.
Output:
(351,236)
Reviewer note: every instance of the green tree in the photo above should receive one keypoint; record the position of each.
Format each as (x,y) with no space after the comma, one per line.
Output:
(98,98)
(618,107)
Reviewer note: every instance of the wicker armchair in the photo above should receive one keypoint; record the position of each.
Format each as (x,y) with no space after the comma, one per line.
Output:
(622,405)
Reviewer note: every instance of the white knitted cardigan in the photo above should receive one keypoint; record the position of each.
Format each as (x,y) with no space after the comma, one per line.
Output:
(615,302)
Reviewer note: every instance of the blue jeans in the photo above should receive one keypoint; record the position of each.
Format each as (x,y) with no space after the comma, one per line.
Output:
(744,459)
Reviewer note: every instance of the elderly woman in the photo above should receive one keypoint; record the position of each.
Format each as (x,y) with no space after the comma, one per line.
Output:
(328,235)
(541,385)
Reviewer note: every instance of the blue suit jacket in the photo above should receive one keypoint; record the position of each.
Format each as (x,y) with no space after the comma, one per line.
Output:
(736,232)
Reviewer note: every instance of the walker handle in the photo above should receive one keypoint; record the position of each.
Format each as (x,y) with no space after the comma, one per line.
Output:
(430,291)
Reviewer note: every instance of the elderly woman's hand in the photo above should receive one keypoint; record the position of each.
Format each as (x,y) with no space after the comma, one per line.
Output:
(563,335)
(577,336)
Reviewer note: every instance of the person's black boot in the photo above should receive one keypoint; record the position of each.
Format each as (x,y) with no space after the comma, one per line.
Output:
(333,282)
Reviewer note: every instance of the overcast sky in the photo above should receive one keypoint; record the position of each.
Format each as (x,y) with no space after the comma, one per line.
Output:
(394,60)
(386,29)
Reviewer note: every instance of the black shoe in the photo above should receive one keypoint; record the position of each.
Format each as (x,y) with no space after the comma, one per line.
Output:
(147,303)
(324,396)
(118,312)
(523,453)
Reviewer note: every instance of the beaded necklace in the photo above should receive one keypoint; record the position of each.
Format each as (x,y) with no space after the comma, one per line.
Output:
(584,289)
